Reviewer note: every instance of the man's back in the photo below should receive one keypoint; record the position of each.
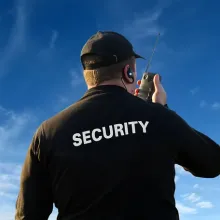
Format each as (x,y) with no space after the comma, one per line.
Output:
(111,155)
(107,158)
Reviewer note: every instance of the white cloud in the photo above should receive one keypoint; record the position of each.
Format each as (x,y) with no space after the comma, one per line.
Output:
(47,53)
(15,128)
(12,125)
(204,205)
(53,39)
(7,212)
(193,197)
(216,105)
(197,186)
(9,187)
(4,195)
(16,42)
(185,209)
(144,25)
(9,181)
(194,90)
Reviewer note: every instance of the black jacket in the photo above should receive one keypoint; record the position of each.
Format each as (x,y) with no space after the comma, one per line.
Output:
(111,156)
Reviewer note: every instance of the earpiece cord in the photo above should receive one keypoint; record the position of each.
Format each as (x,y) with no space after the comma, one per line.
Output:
(123,83)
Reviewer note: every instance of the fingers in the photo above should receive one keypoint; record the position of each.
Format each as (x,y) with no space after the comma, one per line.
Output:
(136,92)
(159,95)
(139,82)
(156,82)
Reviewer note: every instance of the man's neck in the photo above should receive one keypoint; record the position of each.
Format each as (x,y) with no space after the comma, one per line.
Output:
(110,83)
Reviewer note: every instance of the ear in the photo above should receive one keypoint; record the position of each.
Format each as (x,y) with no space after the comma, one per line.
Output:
(125,74)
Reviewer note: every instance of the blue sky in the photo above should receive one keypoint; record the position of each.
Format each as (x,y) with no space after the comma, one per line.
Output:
(40,74)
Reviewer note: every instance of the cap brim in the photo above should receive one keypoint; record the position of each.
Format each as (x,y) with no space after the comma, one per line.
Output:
(138,56)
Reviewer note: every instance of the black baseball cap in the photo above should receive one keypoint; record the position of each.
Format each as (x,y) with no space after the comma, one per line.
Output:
(106,48)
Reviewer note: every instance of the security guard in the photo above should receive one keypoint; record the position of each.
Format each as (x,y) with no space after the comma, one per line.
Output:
(111,155)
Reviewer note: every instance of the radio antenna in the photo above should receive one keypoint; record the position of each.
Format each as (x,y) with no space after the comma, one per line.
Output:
(149,62)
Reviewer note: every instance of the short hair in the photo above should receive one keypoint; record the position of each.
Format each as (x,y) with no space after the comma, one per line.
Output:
(97,76)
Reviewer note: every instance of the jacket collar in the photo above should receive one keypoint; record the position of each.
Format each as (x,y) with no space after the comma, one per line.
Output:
(104,89)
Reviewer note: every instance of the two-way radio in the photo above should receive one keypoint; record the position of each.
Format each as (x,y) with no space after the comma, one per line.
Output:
(146,88)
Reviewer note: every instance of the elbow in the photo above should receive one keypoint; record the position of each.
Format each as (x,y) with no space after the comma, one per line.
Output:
(214,174)
(204,171)
(213,171)
(207,174)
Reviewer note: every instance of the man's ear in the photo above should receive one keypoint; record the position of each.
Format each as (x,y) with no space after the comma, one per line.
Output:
(128,74)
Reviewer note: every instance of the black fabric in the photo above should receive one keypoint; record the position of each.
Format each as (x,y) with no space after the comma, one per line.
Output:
(127,174)
(110,47)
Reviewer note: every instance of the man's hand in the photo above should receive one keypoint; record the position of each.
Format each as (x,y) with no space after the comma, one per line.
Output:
(159,95)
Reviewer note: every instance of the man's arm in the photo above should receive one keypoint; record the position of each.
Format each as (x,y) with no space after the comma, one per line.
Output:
(34,201)
(193,150)
(196,152)
(206,138)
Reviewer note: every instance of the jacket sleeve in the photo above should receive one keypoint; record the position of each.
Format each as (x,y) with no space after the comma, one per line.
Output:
(195,151)
(34,200)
